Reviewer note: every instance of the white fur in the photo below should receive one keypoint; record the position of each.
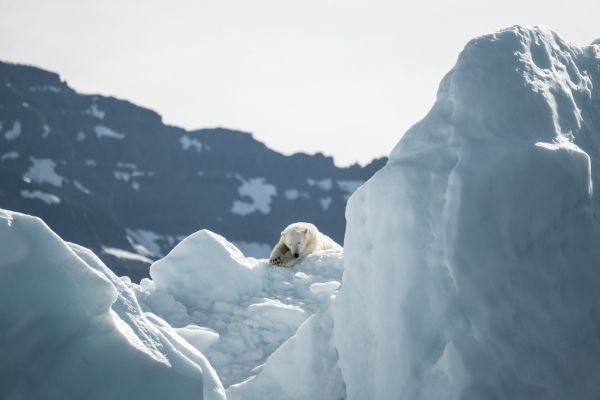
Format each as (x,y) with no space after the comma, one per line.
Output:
(301,238)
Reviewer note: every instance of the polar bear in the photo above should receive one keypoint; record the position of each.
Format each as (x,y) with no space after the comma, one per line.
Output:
(299,240)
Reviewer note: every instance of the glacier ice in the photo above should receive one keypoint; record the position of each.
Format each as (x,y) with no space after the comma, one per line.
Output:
(472,259)
(72,329)
(237,310)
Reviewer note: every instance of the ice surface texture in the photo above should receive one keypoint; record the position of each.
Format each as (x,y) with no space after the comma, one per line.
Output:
(70,329)
(472,264)
(236,310)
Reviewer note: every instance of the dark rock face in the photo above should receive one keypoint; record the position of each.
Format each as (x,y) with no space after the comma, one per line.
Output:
(112,176)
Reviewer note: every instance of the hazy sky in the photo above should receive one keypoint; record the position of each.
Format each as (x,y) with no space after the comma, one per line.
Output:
(339,76)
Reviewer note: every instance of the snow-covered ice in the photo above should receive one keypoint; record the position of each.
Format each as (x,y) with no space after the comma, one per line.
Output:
(304,367)
(254,307)
(71,329)
(472,258)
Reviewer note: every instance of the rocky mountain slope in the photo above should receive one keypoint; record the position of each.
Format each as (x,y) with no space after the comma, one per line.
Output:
(110,175)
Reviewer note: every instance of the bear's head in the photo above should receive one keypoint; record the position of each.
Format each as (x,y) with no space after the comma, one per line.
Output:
(296,239)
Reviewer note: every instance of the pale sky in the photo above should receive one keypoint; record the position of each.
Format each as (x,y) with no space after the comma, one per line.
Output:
(343,77)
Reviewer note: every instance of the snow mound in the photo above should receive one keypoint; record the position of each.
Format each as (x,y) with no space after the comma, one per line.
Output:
(72,329)
(472,259)
(238,310)
(304,367)
(219,272)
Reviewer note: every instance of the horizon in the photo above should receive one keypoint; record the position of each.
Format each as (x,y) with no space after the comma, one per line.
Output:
(328,77)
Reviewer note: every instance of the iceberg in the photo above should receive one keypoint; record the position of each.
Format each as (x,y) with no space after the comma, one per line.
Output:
(72,329)
(236,310)
(472,265)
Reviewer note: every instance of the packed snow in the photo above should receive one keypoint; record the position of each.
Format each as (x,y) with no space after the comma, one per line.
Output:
(14,132)
(42,171)
(259,194)
(104,131)
(254,307)
(304,367)
(71,329)
(47,198)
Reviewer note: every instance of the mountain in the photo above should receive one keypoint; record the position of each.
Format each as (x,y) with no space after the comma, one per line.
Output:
(110,175)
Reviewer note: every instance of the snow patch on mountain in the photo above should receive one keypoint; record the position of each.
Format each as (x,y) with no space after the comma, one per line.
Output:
(42,171)
(294,194)
(348,186)
(104,131)
(323,184)
(325,202)
(259,193)
(11,155)
(126,255)
(46,130)
(188,142)
(45,88)
(80,186)
(14,132)
(47,198)
(95,112)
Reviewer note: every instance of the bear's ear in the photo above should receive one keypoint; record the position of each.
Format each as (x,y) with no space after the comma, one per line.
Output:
(305,230)
(282,233)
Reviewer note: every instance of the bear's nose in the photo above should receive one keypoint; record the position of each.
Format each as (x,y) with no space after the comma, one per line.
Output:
(296,255)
